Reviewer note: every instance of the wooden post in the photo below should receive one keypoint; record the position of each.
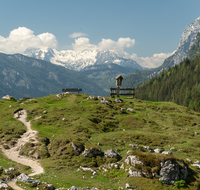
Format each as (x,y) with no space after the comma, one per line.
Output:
(117,90)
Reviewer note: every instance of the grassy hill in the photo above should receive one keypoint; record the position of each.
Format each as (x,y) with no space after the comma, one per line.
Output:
(90,124)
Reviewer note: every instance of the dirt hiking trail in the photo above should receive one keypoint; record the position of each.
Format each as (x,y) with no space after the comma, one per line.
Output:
(13,153)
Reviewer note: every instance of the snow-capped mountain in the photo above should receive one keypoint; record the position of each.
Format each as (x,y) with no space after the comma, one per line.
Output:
(79,60)
(187,40)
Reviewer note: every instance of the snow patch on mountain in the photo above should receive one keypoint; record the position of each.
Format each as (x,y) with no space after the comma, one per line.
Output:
(79,60)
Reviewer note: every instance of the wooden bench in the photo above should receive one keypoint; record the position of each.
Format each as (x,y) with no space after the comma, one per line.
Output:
(71,90)
(117,91)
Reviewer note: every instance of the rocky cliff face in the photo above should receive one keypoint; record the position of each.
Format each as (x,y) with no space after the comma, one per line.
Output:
(187,40)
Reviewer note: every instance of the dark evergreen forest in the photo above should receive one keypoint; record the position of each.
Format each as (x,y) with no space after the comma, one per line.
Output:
(179,84)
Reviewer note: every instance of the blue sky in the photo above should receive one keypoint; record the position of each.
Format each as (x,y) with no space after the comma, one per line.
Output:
(154,26)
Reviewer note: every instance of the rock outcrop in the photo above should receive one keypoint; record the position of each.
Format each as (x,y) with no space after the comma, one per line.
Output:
(3,185)
(104,101)
(92,152)
(110,153)
(172,171)
(132,160)
(25,178)
(78,148)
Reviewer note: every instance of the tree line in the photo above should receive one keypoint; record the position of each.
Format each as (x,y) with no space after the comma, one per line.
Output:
(179,84)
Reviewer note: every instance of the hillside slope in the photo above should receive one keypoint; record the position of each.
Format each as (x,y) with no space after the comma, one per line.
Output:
(179,84)
(76,132)
(23,76)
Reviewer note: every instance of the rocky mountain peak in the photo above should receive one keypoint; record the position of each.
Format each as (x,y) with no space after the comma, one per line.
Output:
(79,60)
(187,39)
(189,36)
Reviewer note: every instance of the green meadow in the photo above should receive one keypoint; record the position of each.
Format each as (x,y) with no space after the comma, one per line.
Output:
(91,124)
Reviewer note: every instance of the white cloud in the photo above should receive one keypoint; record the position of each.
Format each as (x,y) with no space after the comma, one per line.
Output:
(22,38)
(151,62)
(118,46)
(105,44)
(82,44)
(77,35)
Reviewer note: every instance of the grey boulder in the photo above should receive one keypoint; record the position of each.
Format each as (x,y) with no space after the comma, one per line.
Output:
(171,172)
(110,153)
(92,152)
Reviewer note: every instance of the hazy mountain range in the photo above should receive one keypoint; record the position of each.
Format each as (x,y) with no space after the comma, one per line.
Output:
(23,76)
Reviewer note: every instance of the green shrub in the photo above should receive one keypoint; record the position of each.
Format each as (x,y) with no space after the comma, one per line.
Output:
(179,184)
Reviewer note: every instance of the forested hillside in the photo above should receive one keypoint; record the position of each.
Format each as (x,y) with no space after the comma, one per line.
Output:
(180,84)
(23,76)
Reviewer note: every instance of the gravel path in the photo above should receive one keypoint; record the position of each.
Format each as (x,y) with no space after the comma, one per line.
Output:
(13,153)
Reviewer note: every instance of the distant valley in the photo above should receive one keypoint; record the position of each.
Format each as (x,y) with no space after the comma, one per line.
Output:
(101,66)
(25,76)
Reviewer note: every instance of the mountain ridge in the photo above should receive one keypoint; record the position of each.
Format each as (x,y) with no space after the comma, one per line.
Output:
(186,41)
(79,60)
(25,76)
(179,84)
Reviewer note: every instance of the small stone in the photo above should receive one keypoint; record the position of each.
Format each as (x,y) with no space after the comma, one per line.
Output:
(158,150)
(7,171)
(128,186)
(148,148)
(188,160)
(3,185)
(79,148)
(129,151)
(118,100)
(130,109)
(73,188)
(167,152)
(11,168)
(50,187)
(111,154)
(197,165)
(91,97)
(123,109)
(92,152)
(132,160)
(133,173)
(133,145)
(104,101)
(7,97)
